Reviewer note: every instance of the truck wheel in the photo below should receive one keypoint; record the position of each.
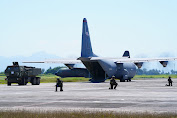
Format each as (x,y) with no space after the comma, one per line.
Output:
(22,82)
(8,84)
(122,80)
(37,80)
(25,81)
(33,81)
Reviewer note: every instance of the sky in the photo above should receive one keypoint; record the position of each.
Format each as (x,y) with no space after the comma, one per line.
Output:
(147,28)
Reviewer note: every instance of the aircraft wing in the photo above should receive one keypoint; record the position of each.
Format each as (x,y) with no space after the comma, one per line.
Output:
(64,61)
(139,61)
(135,60)
(117,60)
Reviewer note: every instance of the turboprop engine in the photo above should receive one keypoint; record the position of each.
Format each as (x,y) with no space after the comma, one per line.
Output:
(164,63)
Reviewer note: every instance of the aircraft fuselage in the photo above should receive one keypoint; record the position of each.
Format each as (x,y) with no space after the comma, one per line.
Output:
(75,72)
(105,69)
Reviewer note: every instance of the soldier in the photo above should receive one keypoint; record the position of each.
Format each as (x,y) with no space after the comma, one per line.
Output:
(170,81)
(59,83)
(113,83)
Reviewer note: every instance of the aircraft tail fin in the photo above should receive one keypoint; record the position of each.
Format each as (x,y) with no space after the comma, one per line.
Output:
(126,54)
(86,50)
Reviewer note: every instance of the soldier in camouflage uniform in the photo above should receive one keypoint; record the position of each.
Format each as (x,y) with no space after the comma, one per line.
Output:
(59,83)
(113,83)
(169,81)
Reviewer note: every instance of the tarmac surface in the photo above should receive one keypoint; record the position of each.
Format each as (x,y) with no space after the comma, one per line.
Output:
(147,95)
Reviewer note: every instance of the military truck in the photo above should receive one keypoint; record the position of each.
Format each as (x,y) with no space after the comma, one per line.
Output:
(22,74)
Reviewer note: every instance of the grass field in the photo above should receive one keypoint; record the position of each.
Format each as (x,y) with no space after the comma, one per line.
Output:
(154,76)
(50,78)
(82,114)
(2,79)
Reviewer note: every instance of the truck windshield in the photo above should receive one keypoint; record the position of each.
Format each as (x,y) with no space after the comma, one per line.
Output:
(13,68)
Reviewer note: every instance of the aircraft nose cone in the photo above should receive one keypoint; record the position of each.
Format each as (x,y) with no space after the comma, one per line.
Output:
(84,20)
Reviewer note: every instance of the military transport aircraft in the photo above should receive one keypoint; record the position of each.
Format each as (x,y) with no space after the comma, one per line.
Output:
(102,68)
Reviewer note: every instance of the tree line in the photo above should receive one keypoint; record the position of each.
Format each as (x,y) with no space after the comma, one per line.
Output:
(52,70)
(154,72)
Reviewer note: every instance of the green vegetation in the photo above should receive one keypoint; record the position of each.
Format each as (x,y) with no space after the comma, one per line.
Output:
(82,114)
(75,79)
(2,79)
(2,74)
(154,72)
(50,78)
(154,76)
(54,70)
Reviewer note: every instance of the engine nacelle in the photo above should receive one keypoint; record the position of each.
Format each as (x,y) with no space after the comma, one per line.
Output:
(139,64)
(164,63)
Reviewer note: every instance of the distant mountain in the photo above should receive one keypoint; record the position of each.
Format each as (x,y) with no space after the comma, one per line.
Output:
(40,56)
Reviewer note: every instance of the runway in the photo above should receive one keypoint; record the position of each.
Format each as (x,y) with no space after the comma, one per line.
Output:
(147,95)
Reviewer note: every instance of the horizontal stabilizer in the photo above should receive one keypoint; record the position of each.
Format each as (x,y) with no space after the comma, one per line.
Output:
(126,54)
